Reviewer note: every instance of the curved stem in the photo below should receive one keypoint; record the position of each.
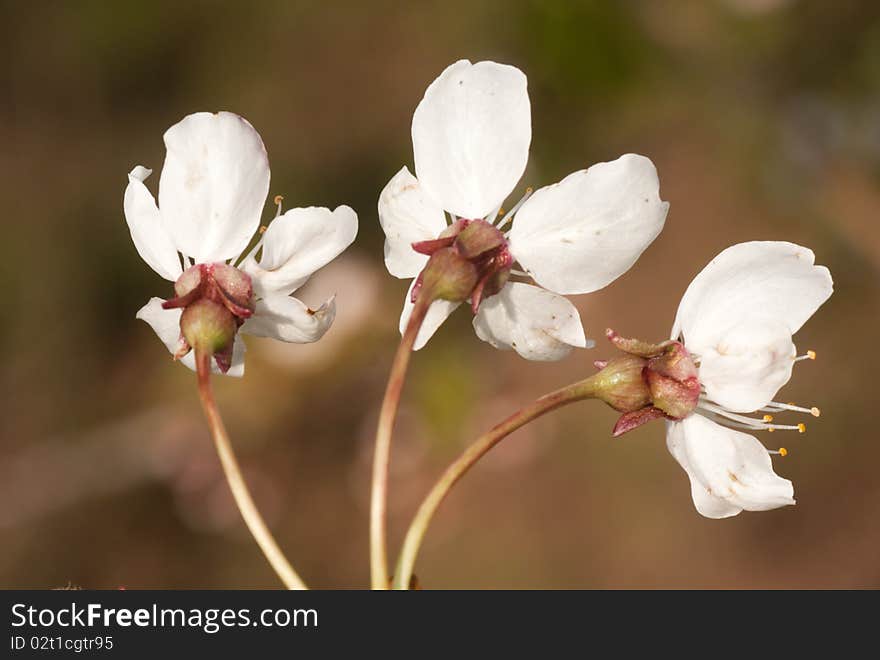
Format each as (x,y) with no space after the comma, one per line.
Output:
(243,499)
(577,392)
(382,453)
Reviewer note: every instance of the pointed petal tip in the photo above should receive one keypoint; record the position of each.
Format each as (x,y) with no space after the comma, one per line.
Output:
(325,308)
(223,362)
(182,351)
(139,173)
(632,420)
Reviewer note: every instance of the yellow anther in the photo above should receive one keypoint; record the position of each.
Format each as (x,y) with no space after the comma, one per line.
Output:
(815,412)
(783,451)
(811,355)
(802,428)
(529,190)
(768,418)
(501,211)
(278,199)
(770,429)
(263,229)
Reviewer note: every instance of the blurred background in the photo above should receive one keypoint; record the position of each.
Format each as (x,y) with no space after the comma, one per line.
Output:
(763,118)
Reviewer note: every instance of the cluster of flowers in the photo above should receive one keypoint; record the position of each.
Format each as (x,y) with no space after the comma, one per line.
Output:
(714,381)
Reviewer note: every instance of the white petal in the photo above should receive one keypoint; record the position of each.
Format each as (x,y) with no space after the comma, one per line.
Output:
(407,216)
(582,233)
(149,235)
(437,313)
(297,244)
(166,324)
(214,185)
(729,471)
(471,135)
(537,324)
(751,282)
(288,319)
(746,367)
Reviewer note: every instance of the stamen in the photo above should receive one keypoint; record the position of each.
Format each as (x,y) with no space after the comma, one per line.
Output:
(773,406)
(809,355)
(782,451)
(261,231)
(491,217)
(741,421)
(800,428)
(737,425)
(516,207)
(749,422)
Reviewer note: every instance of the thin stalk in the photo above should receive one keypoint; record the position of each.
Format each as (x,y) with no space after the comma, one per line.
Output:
(382,454)
(231,469)
(577,392)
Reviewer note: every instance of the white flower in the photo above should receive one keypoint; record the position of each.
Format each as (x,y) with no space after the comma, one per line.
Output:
(737,319)
(471,135)
(211,195)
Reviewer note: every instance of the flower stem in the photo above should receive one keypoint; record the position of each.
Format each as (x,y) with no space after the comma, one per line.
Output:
(576,392)
(243,499)
(382,453)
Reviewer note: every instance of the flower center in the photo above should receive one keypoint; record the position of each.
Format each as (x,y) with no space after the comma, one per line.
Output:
(218,282)
(473,254)
(506,217)
(480,262)
(216,300)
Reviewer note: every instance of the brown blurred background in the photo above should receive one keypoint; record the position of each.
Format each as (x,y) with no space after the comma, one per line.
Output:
(763,118)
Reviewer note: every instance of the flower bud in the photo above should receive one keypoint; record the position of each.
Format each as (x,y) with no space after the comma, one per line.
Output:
(479,238)
(672,376)
(189,282)
(469,260)
(621,383)
(208,326)
(236,289)
(448,276)
(222,283)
